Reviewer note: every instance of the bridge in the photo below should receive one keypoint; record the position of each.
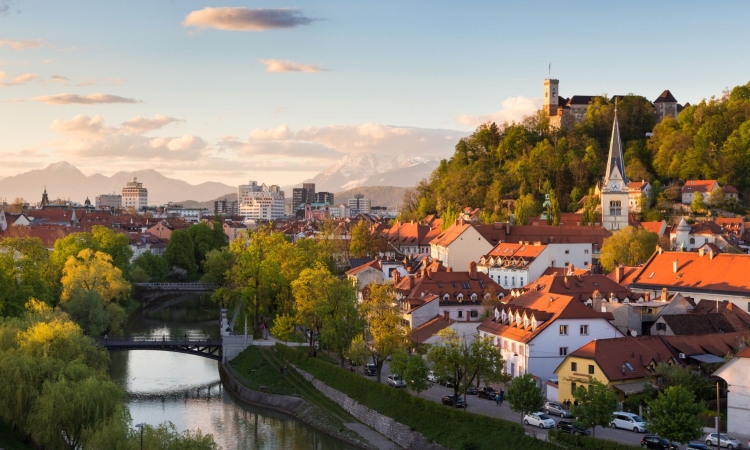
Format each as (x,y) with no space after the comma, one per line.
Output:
(211,347)
(148,292)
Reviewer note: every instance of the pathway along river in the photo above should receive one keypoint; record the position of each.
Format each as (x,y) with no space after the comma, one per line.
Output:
(185,389)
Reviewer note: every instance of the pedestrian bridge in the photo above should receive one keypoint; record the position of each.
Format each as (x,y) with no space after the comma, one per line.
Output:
(176,286)
(211,347)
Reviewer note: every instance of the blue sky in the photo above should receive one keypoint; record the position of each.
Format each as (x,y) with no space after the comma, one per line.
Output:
(394,78)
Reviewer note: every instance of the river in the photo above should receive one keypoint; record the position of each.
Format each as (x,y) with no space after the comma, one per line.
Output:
(185,389)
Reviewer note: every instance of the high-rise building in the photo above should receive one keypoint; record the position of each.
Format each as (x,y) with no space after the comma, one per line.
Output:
(324,197)
(305,194)
(359,205)
(261,202)
(226,207)
(134,195)
(108,201)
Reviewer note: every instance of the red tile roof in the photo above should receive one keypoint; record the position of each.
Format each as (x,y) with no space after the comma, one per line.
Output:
(666,97)
(430,328)
(713,344)
(654,227)
(581,287)
(627,357)
(435,279)
(374,264)
(704,186)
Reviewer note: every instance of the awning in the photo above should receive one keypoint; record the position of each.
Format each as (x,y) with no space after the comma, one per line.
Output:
(708,359)
(631,388)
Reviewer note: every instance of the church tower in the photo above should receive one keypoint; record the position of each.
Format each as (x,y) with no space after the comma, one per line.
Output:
(615,186)
(550,96)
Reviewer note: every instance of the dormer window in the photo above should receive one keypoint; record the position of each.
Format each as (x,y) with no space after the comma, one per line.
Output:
(460,297)
(474,297)
(446,297)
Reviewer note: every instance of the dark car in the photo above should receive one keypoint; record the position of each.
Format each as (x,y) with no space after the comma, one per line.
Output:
(697,446)
(371,370)
(487,392)
(654,441)
(447,381)
(572,428)
(448,400)
(471,390)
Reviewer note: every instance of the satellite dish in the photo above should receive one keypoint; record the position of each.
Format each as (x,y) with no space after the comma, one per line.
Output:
(633,333)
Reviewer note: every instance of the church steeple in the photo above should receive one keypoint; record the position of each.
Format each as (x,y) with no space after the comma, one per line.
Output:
(45,199)
(615,162)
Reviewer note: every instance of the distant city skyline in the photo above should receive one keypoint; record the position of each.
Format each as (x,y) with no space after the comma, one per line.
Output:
(277,93)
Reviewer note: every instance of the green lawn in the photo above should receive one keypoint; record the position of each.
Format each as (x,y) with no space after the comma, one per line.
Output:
(10,440)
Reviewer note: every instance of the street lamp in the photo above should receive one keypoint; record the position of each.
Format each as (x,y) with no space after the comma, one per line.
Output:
(141,426)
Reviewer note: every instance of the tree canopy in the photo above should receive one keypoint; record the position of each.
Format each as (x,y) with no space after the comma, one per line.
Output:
(673,415)
(629,246)
(596,403)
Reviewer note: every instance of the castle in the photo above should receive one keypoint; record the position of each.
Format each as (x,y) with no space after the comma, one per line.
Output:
(565,112)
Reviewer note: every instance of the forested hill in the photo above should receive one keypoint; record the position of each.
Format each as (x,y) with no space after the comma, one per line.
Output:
(706,141)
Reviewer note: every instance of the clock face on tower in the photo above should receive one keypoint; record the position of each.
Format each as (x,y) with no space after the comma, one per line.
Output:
(615,186)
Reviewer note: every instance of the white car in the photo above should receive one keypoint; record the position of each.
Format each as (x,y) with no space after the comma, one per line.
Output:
(727,441)
(628,421)
(396,381)
(540,420)
(431,377)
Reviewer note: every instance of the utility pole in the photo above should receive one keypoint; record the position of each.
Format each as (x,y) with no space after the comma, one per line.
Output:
(718,416)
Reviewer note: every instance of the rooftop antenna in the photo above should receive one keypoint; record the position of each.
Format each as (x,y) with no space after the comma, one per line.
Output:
(549,71)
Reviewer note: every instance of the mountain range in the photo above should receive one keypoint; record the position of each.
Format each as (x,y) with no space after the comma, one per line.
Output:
(366,169)
(64,180)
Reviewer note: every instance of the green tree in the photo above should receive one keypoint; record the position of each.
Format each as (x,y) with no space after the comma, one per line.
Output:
(716,197)
(180,252)
(678,375)
(204,240)
(283,327)
(217,229)
(385,332)
(673,415)
(92,313)
(155,267)
(526,207)
(412,369)
(590,216)
(596,403)
(216,266)
(102,239)
(698,205)
(89,271)
(555,211)
(523,395)
(629,246)
(364,242)
(449,216)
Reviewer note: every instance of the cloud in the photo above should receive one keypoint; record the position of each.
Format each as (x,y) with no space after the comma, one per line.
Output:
(91,99)
(59,79)
(132,147)
(383,139)
(81,125)
(25,44)
(20,79)
(514,110)
(280,133)
(277,65)
(141,124)
(246,19)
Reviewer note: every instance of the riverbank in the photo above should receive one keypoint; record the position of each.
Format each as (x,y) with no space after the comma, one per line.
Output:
(266,380)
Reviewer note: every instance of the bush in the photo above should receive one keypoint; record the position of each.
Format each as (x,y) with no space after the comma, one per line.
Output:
(586,442)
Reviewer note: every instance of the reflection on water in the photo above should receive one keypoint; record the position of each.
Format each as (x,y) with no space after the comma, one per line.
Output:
(185,389)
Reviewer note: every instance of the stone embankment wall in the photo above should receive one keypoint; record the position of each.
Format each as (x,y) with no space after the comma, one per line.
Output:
(294,406)
(395,431)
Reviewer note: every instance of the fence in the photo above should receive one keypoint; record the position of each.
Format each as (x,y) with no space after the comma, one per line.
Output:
(281,390)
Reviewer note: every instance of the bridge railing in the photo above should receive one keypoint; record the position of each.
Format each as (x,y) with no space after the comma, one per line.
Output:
(254,385)
(178,286)
(216,340)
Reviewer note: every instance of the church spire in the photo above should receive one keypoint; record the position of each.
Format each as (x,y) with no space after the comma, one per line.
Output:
(615,161)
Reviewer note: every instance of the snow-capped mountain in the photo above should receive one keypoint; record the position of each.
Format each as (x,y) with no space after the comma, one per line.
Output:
(366,169)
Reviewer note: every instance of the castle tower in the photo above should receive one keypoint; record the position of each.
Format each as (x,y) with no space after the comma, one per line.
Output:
(551,92)
(615,186)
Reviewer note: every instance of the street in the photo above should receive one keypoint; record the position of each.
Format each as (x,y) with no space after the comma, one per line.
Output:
(488,407)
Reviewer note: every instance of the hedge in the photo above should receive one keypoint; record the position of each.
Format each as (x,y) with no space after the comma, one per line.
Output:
(587,442)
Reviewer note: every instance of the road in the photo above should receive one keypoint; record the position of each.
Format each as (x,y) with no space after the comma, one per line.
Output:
(488,407)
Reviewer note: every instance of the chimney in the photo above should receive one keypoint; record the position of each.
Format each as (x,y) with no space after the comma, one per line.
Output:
(447,315)
(472,270)
(701,252)
(659,249)
(675,265)
(396,277)
(664,294)
(571,268)
(618,274)
(711,254)
(646,296)
(507,227)
(596,302)
(449,269)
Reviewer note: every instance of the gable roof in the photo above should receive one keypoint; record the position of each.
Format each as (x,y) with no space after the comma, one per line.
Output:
(703,186)
(725,273)
(374,264)
(430,328)
(713,344)
(582,286)
(580,100)
(655,226)
(625,358)
(697,324)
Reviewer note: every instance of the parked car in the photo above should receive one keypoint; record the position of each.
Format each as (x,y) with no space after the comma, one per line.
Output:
(540,420)
(447,381)
(396,381)
(726,440)
(460,403)
(432,377)
(697,446)
(371,370)
(471,390)
(654,441)
(628,421)
(557,409)
(487,392)
(572,428)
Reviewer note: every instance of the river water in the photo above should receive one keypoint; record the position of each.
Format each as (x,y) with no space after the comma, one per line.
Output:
(186,390)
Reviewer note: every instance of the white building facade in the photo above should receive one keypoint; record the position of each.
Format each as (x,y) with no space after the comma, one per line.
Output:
(261,202)
(134,195)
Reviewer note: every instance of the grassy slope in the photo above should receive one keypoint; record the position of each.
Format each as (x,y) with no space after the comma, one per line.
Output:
(10,440)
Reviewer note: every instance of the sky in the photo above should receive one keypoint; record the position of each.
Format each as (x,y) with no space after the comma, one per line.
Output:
(277,92)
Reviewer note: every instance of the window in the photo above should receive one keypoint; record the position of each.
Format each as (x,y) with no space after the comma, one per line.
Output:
(572,388)
(748,306)
(513,280)
(460,314)
(513,347)
(506,280)
(591,369)
(586,251)
(586,263)
(573,366)
(692,240)
(567,252)
(563,351)
(584,330)
(474,313)
(520,350)
(705,241)
(563,329)
(661,326)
